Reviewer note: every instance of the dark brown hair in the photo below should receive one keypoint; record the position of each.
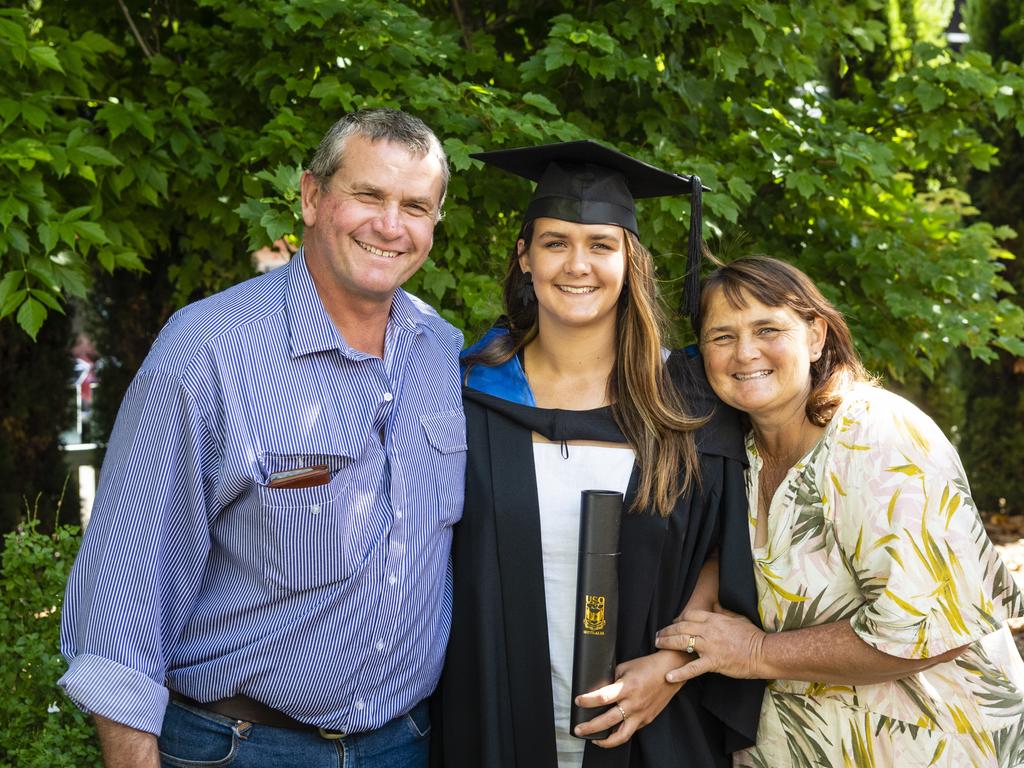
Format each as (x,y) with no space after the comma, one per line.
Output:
(646,405)
(775,283)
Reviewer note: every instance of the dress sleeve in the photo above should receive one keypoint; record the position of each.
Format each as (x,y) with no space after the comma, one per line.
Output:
(134,581)
(910,534)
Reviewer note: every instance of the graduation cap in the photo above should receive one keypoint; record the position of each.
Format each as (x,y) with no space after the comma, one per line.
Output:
(588,183)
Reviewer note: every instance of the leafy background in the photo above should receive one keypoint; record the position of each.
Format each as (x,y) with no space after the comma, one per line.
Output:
(148,147)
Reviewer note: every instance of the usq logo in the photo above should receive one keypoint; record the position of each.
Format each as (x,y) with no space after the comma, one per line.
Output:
(593,620)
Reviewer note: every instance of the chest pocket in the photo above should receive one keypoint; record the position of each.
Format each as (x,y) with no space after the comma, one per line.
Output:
(313,537)
(446,433)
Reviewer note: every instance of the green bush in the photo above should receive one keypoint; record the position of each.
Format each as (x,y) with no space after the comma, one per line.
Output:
(41,727)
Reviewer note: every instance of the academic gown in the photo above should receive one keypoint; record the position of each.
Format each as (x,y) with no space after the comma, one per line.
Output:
(493,707)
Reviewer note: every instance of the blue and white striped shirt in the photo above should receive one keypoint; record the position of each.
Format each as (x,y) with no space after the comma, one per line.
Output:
(330,603)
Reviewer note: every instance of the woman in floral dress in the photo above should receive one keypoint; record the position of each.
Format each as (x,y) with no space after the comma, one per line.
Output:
(882,599)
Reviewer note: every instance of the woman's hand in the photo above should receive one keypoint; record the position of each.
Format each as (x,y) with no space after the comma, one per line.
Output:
(725,642)
(640,689)
(832,653)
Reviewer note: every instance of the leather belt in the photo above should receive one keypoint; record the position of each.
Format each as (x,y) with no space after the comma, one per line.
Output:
(241,707)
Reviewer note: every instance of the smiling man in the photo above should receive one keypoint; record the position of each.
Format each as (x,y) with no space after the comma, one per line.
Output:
(265,577)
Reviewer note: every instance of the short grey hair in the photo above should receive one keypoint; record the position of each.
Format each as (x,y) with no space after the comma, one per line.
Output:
(376,125)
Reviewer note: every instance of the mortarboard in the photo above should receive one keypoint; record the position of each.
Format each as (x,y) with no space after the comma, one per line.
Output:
(588,183)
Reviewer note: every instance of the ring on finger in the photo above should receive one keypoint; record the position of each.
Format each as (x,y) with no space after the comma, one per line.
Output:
(621,711)
(689,644)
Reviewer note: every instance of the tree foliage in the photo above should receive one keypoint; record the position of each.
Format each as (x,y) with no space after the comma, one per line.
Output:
(183,133)
(994,395)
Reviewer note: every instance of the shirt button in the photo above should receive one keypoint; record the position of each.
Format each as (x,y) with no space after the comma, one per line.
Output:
(398,514)
(392,579)
(388,397)
(380,645)
(360,705)
(315,509)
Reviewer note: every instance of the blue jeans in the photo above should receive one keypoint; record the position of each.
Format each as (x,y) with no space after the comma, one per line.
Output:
(195,738)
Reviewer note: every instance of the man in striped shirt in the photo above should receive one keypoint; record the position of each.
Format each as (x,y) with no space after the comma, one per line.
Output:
(265,578)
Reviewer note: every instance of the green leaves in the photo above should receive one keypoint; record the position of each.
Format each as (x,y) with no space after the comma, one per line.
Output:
(805,182)
(929,96)
(540,102)
(120,117)
(277,224)
(31,315)
(45,57)
(459,151)
(333,93)
(43,728)
(823,144)
(54,167)
(267,222)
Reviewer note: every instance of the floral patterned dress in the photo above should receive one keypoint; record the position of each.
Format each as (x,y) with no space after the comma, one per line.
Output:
(875,525)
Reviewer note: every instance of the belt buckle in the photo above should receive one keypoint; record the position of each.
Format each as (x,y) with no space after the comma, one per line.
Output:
(331,735)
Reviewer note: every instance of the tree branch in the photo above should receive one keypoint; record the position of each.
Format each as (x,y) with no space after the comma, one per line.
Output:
(135,30)
(457,9)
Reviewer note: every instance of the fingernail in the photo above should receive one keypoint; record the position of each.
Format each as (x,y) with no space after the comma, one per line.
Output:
(657,641)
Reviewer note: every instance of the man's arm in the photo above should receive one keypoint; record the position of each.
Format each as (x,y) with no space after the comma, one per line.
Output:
(125,747)
(142,557)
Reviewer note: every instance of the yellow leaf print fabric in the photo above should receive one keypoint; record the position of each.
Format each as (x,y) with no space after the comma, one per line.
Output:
(876,526)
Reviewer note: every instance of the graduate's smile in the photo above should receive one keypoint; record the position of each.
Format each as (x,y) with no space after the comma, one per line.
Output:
(578,271)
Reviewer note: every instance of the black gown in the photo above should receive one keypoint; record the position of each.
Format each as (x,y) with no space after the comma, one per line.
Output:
(493,707)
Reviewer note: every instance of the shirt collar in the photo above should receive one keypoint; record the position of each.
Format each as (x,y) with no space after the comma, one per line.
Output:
(406,313)
(311,329)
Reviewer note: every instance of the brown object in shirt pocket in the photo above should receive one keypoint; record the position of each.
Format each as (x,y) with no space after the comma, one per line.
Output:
(306,477)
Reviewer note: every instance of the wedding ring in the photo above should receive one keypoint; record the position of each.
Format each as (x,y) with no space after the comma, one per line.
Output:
(689,644)
(621,711)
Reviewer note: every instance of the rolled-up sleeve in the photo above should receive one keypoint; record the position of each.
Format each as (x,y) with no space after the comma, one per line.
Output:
(133,583)
(912,538)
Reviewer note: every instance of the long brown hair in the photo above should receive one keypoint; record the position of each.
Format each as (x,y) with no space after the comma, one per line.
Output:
(646,405)
(776,283)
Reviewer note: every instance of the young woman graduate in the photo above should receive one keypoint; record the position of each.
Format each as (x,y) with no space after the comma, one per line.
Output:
(572,390)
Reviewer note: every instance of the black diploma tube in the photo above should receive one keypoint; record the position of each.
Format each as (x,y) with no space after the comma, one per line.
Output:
(597,600)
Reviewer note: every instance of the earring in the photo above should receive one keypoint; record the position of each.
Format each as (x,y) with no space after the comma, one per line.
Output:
(526,292)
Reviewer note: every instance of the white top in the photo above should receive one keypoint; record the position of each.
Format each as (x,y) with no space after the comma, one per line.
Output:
(559,484)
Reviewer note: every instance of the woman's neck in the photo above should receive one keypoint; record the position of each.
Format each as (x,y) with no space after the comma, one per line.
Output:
(784,442)
(570,368)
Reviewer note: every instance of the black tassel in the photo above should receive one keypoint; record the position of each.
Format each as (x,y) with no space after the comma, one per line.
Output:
(690,304)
